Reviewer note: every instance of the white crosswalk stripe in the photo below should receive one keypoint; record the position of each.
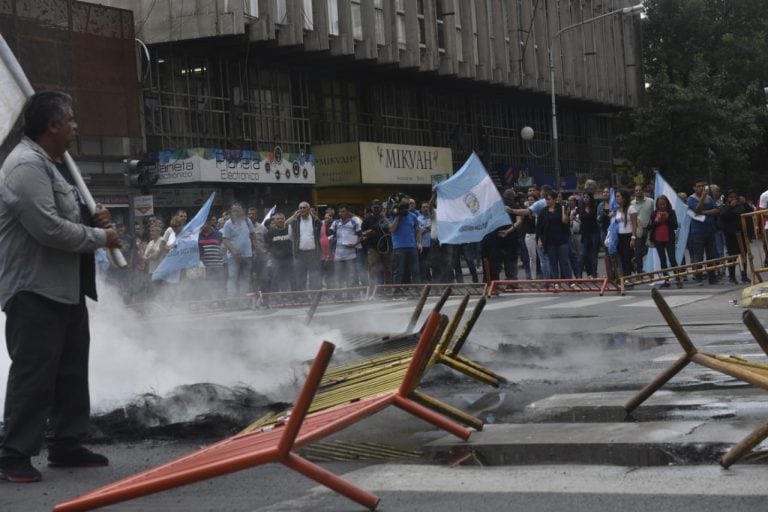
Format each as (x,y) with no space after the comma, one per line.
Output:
(592,301)
(672,300)
(503,302)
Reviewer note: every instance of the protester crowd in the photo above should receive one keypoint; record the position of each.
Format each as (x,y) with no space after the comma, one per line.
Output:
(549,236)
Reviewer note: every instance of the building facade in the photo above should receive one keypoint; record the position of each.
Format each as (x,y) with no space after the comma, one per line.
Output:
(230,86)
(88,51)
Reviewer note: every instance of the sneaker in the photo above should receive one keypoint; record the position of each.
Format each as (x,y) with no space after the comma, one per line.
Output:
(18,470)
(80,457)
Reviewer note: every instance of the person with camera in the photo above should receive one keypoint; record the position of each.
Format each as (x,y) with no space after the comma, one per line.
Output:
(377,246)
(701,237)
(406,243)
(47,268)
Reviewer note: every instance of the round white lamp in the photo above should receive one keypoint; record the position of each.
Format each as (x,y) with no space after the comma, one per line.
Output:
(527,133)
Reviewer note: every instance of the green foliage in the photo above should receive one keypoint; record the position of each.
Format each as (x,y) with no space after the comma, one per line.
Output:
(706,62)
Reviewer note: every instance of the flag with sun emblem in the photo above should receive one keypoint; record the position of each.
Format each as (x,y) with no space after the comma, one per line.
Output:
(468,205)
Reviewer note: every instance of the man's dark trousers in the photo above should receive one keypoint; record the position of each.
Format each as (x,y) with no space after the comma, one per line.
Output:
(48,343)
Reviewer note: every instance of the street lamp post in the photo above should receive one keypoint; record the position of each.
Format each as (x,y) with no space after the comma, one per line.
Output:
(527,132)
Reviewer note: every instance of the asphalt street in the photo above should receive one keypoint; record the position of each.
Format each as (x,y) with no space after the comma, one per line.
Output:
(579,347)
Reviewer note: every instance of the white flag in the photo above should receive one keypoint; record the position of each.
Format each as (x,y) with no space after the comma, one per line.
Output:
(12,100)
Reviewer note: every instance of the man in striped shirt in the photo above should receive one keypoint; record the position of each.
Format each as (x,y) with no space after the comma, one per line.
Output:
(211,254)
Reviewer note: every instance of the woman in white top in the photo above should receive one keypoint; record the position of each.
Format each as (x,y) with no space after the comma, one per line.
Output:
(625,218)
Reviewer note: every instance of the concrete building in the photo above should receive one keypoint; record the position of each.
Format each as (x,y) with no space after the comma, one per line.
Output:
(88,51)
(273,101)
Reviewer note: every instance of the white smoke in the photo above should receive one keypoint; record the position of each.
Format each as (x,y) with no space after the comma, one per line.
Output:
(133,354)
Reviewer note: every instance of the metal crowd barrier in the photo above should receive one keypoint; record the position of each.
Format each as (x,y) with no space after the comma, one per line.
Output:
(413,291)
(756,254)
(599,285)
(678,272)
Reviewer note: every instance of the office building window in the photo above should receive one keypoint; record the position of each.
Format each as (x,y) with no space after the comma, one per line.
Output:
(378,6)
(357,21)
(400,11)
(281,12)
(306,12)
(333,17)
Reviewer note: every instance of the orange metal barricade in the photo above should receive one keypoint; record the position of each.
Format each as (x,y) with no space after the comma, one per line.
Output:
(278,443)
(752,373)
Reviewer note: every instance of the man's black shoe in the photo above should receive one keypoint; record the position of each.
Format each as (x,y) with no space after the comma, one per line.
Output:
(18,470)
(80,457)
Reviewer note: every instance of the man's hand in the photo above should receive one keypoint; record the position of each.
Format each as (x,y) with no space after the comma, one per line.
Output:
(113,241)
(102,218)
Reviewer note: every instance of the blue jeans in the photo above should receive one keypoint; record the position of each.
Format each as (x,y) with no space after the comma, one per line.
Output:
(239,276)
(590,244)
(406,264)
(698,243)
(559,261)
(546,271)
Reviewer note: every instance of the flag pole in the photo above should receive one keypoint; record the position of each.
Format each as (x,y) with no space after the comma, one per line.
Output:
(13,66)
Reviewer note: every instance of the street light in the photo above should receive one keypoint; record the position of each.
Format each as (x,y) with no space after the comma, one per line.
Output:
(527,132)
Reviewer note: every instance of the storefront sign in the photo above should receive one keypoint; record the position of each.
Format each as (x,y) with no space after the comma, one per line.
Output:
(143,206)
(234,166)
(398,164)
(337,164)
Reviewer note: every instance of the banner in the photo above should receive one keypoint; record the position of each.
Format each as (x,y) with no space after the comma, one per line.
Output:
(233,166)
(185,253)
(468,205)
(12,98)
(661,187)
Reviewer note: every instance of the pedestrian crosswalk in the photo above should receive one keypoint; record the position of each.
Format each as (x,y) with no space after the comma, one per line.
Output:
(505,302)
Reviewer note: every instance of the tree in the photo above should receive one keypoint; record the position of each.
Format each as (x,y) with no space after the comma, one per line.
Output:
(706,62)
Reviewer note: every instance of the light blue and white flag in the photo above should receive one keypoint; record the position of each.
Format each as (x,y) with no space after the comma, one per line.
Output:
(661,187)
(269,215)
(468,205)
(13,84)
(185,252)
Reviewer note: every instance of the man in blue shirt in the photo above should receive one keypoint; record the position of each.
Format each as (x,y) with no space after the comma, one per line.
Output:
(701,236)
(406,244)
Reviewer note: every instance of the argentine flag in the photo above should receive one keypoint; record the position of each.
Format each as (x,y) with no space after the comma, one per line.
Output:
(661,187)
(468,205)
(13,97)
(185,253)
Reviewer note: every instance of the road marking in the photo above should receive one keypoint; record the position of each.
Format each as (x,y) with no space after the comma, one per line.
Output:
(705,480)
(592,301)
(672,300)
(497,304)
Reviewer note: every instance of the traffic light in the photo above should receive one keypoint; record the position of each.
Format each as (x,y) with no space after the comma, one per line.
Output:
(140,173)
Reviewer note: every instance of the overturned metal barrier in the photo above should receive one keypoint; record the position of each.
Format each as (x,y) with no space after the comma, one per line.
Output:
(746,371)
(678,272)
(594,285)
(277,444)
(382,372)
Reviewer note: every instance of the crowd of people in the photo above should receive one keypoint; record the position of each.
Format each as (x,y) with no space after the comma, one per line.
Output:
(396,241)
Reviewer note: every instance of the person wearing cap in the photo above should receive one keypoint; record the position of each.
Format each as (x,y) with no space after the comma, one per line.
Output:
(376,245)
